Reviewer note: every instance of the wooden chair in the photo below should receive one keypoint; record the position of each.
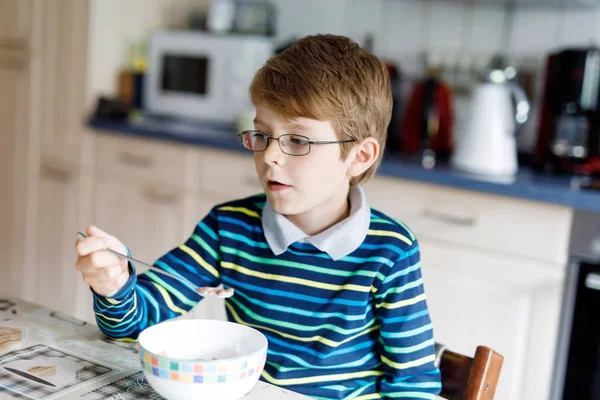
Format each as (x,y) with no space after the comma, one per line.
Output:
(466,378)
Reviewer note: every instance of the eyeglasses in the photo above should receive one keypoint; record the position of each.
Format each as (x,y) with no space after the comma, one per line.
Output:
(293,145)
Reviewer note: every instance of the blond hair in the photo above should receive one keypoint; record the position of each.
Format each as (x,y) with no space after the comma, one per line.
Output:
(329,77)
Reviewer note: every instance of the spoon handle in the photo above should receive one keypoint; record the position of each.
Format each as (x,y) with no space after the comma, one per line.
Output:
(149,266)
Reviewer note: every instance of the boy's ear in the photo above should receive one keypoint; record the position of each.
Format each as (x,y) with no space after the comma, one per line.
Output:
(365,154)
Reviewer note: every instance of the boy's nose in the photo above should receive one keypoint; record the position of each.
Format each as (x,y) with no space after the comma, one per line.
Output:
(273,153)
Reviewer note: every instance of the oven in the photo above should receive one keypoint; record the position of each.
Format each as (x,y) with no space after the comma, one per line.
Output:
(577,362)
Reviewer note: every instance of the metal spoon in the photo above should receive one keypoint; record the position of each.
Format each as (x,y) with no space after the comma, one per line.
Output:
(205,291)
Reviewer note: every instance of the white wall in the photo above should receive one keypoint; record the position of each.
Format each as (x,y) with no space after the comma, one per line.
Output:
(116,24)
(403,30)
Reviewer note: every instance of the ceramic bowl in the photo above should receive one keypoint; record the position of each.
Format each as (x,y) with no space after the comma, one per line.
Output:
(202,359)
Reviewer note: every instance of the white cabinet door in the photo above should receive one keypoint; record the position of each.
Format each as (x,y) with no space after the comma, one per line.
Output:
(477,298)
(146,217)
(8,116)
(15,19)
(16,177)
(63,202)
(64,78)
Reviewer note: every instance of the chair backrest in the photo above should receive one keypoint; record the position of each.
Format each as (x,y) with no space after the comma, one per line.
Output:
(469,378)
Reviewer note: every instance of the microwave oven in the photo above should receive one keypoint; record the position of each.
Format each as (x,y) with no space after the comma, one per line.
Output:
(203,76)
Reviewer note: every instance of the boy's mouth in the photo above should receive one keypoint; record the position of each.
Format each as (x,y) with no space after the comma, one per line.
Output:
(276,185)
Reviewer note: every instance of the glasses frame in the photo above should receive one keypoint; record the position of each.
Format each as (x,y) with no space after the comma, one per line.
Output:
(310,142)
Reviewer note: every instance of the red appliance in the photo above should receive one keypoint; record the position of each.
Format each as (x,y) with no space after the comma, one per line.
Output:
(428,120)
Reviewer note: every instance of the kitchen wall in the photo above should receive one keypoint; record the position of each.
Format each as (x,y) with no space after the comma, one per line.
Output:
(116,24)
(403,30)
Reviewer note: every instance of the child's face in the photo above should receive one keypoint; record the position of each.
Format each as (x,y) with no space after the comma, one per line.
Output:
(299,184)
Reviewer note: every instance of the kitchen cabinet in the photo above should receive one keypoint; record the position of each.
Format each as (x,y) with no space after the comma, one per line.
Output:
(478,298)
(145,216)
(64,57)
(20,78)
(493,270)
(15,20)
(64,205)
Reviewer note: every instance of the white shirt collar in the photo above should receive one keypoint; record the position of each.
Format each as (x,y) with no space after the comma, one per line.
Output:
(338,241)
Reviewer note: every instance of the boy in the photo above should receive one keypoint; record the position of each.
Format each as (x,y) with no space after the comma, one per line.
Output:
(335,286)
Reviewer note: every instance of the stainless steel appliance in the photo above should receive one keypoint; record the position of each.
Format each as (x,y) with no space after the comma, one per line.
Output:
(569,131)
(577,363)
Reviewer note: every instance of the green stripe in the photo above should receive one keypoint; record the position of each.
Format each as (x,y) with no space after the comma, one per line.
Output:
(381,221)
(409,349)
(292,264)
(206,247)
(401,289)
(412,237)
(300,327)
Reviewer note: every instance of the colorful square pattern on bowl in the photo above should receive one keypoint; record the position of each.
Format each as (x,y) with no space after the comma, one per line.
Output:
(208,372)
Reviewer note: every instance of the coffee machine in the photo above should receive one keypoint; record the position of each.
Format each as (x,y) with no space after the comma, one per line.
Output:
(568,139)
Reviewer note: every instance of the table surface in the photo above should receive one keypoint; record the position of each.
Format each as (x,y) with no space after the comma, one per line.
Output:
(105,369)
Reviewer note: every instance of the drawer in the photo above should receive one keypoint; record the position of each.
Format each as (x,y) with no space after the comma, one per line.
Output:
(142,159)
(529,229)
(229,175)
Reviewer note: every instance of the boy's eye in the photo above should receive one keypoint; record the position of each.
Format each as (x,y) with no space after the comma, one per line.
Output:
(298,141)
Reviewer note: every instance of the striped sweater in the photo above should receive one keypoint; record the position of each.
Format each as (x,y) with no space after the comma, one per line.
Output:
(356,328)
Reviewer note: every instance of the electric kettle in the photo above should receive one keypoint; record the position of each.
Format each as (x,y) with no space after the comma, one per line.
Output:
(499,109)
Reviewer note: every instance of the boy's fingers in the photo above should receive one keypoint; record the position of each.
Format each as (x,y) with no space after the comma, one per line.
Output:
(100,276)
(100,259)
(109,240)
(93,230)
(89,245)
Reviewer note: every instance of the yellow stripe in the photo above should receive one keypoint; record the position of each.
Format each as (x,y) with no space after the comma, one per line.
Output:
(168,300)
(316,379)
(200,260)
(319,339)
(305,282)
(112,301)
(244,210)
(126,340)
(410,364)
(403,303)
(124,316)
(372,396)
(390,233)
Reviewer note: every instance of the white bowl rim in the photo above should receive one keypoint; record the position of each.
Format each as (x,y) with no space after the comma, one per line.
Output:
(197,361)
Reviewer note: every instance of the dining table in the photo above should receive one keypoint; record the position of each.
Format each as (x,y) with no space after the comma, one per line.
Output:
(45,354)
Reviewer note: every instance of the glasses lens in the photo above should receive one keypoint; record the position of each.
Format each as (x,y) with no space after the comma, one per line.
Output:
(255,141)
(295,145)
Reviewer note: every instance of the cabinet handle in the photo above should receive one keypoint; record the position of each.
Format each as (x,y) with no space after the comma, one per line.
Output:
(13,62)
(134,160)
(13,43)
(13,53)
(160,198)
(592,281)
(58,175)
(462,220)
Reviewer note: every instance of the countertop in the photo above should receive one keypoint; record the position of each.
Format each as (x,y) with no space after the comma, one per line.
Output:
(105,369)
(527,184)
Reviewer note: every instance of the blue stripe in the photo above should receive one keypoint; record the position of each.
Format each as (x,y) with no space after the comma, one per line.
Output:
(244,225)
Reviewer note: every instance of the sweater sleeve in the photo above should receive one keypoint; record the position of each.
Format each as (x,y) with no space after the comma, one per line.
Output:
(151,297)
(407,347)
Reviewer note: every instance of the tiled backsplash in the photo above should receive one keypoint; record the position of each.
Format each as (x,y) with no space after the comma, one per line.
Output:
(404,29)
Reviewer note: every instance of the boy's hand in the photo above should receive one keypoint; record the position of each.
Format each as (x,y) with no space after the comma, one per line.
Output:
(104,272)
